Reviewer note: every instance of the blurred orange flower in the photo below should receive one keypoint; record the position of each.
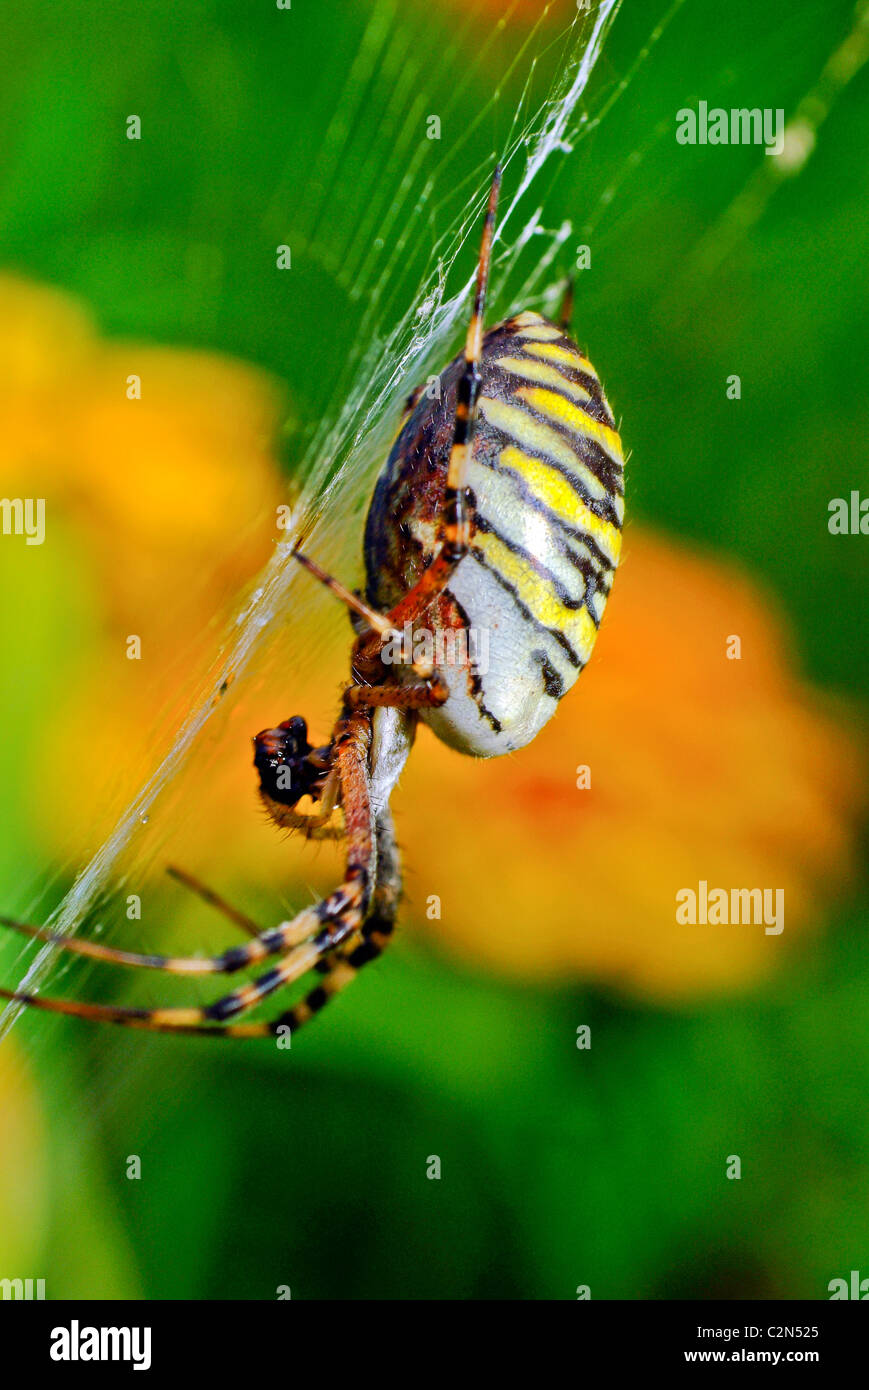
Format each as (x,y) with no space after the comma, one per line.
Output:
(700,767)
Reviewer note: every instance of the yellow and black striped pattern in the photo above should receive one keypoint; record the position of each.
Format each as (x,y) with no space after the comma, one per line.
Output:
(546,477)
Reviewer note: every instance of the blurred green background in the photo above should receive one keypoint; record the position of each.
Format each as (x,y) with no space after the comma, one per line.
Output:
(560,1168)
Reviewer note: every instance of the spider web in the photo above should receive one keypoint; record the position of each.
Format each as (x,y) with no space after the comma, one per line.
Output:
(399,341)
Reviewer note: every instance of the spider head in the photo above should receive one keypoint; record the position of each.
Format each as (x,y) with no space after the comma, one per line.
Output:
(289,768)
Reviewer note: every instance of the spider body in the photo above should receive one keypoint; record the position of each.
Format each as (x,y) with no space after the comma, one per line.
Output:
(498,513)
(517,621)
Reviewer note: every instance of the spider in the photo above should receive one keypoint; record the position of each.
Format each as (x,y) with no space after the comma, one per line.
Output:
(498,512)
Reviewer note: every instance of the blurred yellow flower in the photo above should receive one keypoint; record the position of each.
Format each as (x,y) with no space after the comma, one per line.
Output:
(158,510)
(700,767)
(152,483)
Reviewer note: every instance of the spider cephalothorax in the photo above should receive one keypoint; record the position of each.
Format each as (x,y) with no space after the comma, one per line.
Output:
(497,517)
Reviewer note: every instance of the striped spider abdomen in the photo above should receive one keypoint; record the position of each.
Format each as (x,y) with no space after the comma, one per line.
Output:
(518,620)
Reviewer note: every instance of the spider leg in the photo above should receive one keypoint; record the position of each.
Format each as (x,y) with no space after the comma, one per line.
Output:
(213,899)
(176,965)
(339,971)
(314,827)
(455,521)
(456,513)
(192,1020)
(275,941)
(95,950)
(182,1019)
(334,920)
(421,695)
(367,945)
(377,621)
(340,966)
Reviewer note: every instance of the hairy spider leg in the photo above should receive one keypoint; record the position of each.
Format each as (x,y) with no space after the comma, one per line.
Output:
(311,826)
(316,825)
(335,919)
(176,965)
(378,622)
(370,942)
(422,695)
(208,895)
